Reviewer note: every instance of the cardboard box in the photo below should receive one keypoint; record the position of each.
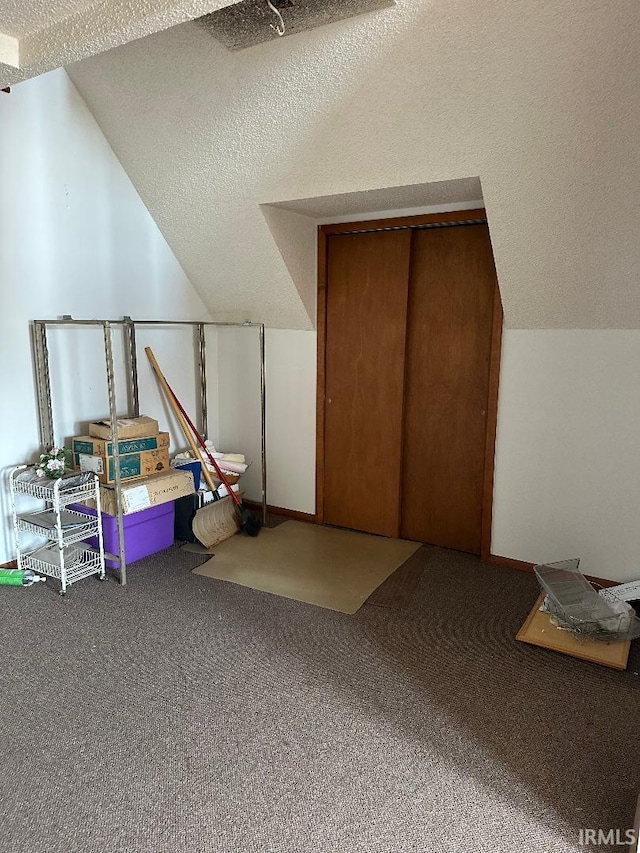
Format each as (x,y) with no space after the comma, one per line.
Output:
(91,446)
(152,491)
(127,427)
(132,465)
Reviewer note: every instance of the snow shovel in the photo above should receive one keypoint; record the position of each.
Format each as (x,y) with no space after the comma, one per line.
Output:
(214,522)
(247,521)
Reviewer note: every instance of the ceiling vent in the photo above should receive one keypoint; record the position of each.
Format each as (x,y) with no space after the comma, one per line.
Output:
(252,22)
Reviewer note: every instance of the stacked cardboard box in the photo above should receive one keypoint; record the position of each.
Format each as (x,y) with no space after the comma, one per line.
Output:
(127,427)
(147,492)
(143,450)
(149,487)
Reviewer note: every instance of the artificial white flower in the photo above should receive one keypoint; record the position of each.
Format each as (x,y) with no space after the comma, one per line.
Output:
(53,463)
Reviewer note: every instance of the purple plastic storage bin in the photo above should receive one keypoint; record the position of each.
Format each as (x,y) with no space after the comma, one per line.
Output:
(145,532)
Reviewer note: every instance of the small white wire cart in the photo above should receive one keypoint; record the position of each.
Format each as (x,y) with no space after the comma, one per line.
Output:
(64,556)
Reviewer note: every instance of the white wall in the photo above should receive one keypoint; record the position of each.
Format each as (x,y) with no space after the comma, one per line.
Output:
(76,239)
(239,416)
(567,479)
(291,418)
(291,411)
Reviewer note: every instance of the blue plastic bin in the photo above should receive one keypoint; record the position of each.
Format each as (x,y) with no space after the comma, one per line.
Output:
(192,465)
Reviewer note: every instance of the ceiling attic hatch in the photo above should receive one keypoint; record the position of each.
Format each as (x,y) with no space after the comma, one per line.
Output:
(252,22)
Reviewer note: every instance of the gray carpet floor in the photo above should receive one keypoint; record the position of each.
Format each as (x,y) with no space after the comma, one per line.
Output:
(185,714)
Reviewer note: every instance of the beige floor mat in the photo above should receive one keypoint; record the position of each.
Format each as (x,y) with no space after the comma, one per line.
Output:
(337,569)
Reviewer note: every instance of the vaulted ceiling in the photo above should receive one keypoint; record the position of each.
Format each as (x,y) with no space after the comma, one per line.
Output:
(238,154)
(38,35)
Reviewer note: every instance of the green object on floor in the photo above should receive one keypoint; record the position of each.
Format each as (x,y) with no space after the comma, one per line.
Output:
(18,577)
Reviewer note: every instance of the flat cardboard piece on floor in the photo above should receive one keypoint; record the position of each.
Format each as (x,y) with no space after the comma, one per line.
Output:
(337,569)
(538,631)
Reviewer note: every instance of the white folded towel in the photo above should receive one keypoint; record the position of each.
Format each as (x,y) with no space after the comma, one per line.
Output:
(234,467)
(222,490)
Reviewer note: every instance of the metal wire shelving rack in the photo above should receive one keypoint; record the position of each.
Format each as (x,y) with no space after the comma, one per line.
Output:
(45,410)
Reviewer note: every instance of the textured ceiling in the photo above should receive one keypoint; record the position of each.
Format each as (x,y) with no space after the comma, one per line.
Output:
(459,191)
(36,36)
(251,22)
(23,17)
(540,100)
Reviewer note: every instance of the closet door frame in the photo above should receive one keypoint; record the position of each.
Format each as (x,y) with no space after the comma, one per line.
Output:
(325,231)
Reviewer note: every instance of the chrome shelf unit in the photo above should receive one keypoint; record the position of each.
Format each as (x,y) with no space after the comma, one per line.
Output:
(64,528)
(45,411)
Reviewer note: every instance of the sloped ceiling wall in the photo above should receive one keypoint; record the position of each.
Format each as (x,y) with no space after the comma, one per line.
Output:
(540,100)
(38,35)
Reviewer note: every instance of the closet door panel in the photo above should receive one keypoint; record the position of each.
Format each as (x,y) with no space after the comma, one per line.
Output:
(448,349)
(367,286)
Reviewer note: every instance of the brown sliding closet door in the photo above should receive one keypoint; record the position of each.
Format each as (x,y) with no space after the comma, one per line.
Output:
(451,293)
(367,285)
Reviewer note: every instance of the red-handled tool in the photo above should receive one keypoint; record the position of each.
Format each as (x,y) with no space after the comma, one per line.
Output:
(248,521)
